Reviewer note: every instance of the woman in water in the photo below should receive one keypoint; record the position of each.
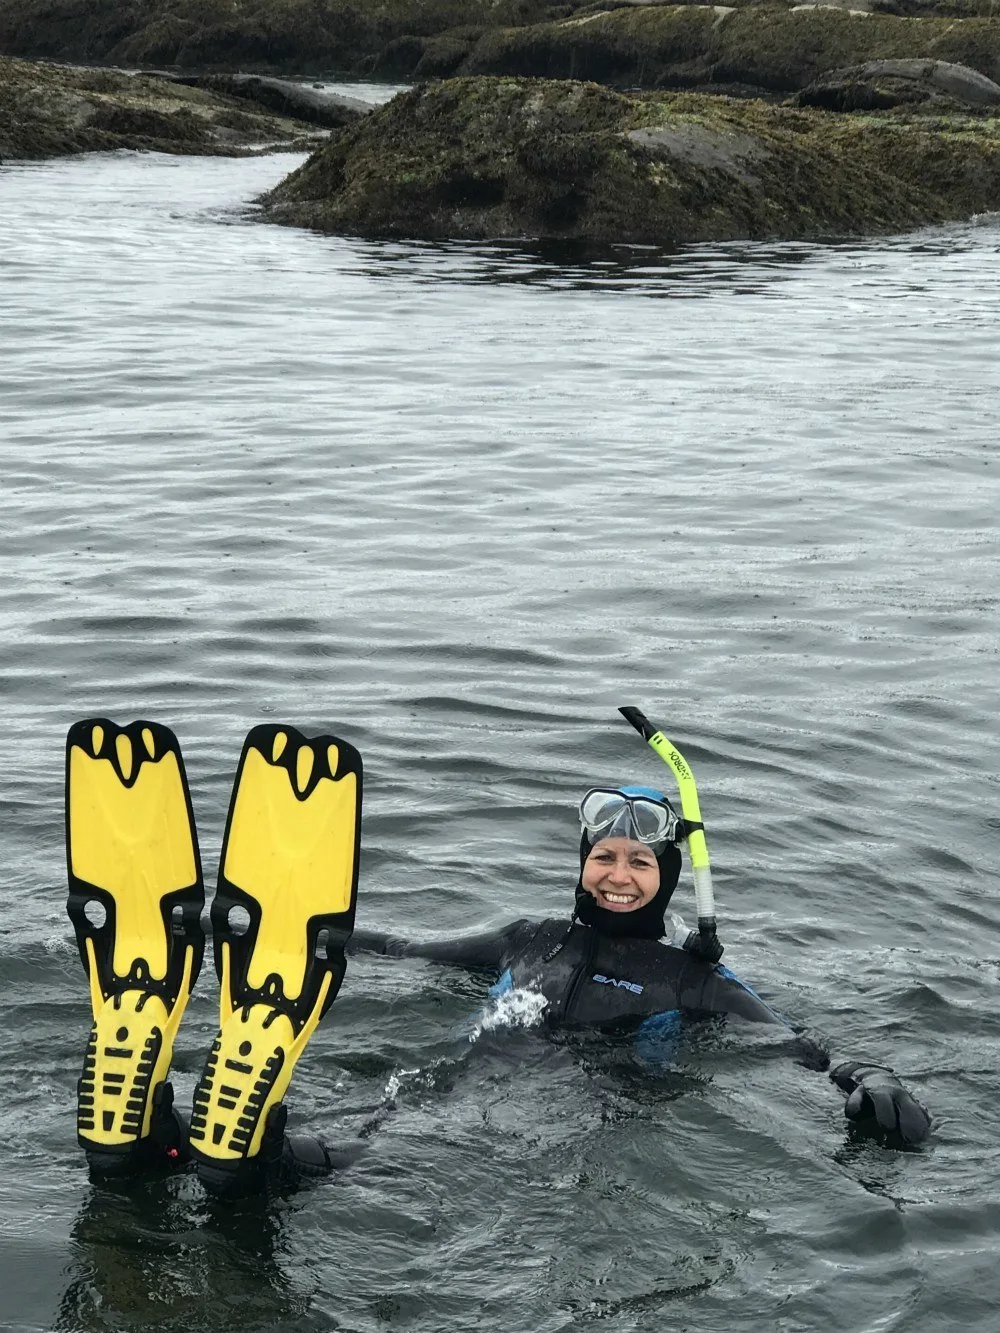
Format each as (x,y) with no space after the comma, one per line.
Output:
(282,917)
(611,965)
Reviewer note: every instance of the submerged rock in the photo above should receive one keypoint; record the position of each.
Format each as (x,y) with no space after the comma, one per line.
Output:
(52,110)
(505,157)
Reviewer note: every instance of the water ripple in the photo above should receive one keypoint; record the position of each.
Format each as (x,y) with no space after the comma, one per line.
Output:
(458,502)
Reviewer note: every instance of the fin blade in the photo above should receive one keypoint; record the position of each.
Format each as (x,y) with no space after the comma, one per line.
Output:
(132,848)
(290,861)
(132,853)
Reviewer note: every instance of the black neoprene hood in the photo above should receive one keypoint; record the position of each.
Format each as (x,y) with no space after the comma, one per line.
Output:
(645,923)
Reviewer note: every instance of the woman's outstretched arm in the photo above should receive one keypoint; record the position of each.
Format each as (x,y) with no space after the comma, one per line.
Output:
(485,949)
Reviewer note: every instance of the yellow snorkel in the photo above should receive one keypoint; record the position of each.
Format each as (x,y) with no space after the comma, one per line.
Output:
(704,895)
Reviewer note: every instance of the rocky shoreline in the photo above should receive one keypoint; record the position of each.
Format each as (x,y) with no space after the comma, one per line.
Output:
(779,44)
(493,157)
(766,50)
(52,111)
(611,121)
(256,36)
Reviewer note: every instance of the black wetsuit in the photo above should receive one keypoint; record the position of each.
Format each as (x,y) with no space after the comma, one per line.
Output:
(586,976)
(618,981)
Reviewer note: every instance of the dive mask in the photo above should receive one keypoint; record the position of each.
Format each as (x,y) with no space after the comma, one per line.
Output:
(631,812)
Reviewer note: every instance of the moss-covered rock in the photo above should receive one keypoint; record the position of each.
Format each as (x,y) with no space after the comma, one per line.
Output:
(768,47)
(316,105)
(954,9)
(511,157)
(778,45)
(49,111)
(879,84)
(257,35)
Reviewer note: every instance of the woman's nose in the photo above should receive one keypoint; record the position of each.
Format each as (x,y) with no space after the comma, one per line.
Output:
(620,873)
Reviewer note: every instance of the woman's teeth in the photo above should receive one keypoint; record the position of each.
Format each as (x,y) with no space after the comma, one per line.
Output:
(619,897)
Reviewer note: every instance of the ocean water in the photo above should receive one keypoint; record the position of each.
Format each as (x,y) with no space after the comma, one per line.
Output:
(456,504)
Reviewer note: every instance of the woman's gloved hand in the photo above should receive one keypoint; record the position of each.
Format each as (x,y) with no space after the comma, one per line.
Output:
(708,948)
(878,1104)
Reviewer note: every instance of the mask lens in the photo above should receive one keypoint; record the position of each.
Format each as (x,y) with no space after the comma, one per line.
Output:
(650,821)
(600,809)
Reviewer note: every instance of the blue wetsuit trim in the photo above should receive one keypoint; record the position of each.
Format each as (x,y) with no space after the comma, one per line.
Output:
(659,1036)
(502,985)
(724,971)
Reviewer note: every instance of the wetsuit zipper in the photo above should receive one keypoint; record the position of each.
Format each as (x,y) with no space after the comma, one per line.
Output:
(580,974)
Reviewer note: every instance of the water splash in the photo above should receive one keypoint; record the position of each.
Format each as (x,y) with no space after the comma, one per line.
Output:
(512,1009)
(395,1083)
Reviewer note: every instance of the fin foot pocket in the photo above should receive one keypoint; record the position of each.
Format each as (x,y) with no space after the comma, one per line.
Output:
(165,1147)
(239,1176)
(125,1059)
(283,1163)
(247,1072)
(281,919)
(135,901)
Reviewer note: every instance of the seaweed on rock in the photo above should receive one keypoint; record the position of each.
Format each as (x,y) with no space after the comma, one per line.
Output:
(768,47)
(260,35)
(50,111)
(510,157)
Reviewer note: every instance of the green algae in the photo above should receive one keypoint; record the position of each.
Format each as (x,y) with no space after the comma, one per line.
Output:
(768,47)
(50,111)
(261,35)
(496,157)
(764,46)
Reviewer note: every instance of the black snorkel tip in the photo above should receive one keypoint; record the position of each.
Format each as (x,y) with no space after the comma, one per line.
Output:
(636,718)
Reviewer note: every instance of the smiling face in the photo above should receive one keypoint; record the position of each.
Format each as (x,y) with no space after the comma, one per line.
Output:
(621,874)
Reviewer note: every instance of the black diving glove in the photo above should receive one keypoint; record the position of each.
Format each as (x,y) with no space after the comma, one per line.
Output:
(879,1105)
(706,948)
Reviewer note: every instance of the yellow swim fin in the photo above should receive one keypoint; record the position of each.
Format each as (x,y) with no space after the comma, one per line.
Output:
(281,919)
(135,900)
